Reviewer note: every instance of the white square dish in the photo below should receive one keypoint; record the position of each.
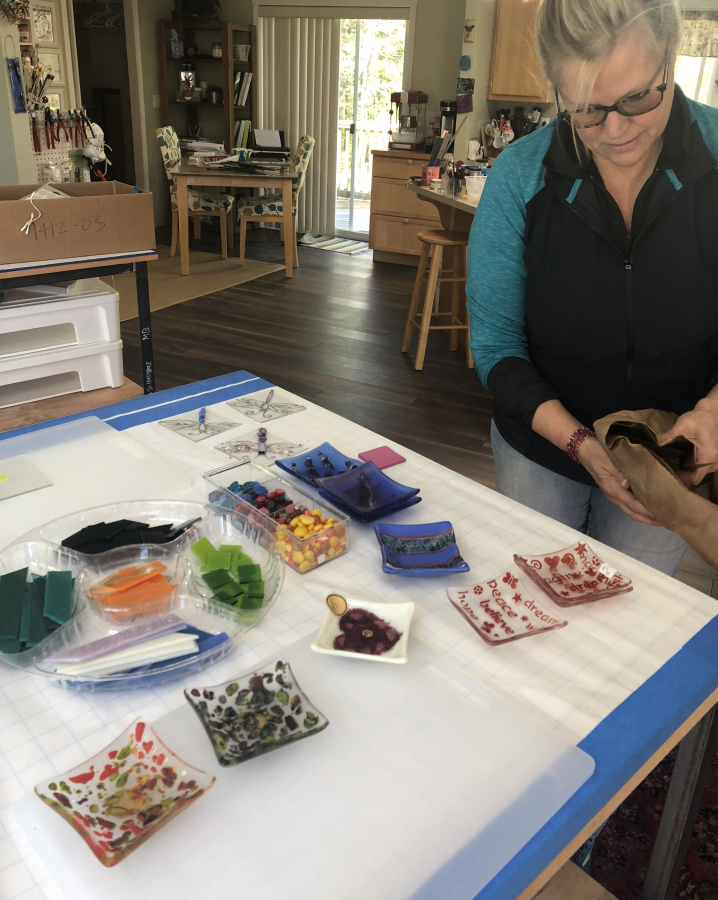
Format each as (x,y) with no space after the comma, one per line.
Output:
(398,615)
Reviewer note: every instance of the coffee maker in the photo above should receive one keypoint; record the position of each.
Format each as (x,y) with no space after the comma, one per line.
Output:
(448,117)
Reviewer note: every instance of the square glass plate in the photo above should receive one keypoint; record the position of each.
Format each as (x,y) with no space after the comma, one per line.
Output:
(423,551)
(397,615)
(366,490)
(574,575)
(502,610)
(323,461)
(121,796)
(255,713)
(372,516)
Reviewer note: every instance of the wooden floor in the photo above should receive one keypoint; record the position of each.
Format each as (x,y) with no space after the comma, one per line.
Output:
(332,335)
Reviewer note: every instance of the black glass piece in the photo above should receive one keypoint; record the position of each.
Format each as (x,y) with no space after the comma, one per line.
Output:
(309,466)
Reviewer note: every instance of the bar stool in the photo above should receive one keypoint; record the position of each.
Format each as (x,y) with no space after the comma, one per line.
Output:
(434,243)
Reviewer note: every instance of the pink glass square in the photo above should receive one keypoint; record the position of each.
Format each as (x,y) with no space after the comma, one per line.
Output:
(502,610)
(124,794)
(574,575)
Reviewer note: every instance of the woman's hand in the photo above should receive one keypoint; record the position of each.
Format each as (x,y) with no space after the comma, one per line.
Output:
(700,426)
(614,485)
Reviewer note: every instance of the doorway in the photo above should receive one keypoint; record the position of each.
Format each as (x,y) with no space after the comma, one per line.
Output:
(371,67)
(104,80)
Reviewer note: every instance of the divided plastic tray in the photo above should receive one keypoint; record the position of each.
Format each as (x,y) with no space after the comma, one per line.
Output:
(41,551)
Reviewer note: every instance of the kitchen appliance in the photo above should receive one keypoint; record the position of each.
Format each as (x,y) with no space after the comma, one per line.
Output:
(410,120)
(448,116)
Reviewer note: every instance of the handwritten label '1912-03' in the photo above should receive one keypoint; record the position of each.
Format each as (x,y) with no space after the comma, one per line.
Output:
(48,230)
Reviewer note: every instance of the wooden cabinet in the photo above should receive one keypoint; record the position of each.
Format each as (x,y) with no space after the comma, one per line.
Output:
(515,69)
(397,215)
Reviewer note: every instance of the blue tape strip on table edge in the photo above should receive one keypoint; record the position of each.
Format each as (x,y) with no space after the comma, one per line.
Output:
(620,745)
(161,405)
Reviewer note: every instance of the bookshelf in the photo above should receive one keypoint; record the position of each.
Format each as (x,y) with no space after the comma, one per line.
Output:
(216,120)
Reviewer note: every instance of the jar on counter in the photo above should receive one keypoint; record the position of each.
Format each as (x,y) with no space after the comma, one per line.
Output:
(187,76)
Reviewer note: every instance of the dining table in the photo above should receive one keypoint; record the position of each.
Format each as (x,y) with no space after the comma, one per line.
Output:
(279,178)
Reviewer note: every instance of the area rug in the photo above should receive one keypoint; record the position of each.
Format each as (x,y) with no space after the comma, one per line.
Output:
(623,849)
(339,245)
(208,272)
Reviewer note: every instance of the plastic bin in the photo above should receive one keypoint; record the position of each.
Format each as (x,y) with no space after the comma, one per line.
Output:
(49,317)
(37,376)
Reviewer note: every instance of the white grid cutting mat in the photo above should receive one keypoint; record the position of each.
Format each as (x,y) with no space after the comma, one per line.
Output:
(569,679)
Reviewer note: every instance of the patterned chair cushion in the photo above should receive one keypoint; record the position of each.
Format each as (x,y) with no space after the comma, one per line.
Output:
(196,201)
(272,204)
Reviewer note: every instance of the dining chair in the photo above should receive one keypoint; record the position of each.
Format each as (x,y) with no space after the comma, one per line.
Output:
(199,204)
(271,206)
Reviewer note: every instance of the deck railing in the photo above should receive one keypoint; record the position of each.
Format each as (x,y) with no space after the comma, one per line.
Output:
(369,136)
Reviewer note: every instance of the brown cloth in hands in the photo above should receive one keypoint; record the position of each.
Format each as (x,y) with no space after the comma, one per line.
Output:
(630,438)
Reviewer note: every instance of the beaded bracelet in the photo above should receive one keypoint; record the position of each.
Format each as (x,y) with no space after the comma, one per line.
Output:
(576,439)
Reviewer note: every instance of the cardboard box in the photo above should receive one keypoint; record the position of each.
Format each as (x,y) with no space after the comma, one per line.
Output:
(97,218)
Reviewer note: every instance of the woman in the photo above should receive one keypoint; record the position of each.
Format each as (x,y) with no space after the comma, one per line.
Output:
(593,271)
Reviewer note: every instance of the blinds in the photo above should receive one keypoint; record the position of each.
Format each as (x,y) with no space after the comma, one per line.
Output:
(299,94)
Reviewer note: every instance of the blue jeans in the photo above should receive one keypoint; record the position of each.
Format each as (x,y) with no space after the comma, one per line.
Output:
(587,509)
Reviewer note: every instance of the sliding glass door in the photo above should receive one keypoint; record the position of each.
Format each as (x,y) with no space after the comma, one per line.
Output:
(370,69)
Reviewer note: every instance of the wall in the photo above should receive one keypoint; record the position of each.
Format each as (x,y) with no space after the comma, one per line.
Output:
(17,164)
(483,11)
(437,47)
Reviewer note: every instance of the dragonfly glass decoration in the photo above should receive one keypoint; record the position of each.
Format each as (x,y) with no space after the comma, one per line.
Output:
(265,407)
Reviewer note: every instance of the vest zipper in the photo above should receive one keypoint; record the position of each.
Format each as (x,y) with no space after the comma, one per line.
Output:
(628,266)
(630,335)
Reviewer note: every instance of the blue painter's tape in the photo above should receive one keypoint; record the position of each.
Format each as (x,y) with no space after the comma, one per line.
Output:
(152,407)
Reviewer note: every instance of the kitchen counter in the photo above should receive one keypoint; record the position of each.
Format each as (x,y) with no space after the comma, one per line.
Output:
(456,213)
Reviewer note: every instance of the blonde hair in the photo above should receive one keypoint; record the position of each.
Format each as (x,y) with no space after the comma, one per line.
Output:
(589,30)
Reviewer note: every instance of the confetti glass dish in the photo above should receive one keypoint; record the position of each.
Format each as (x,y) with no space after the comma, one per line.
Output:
(397,615)
(367,491)
(574,575)
(419,551)
(120,797)
(255,714)
(502,609)
(323,461)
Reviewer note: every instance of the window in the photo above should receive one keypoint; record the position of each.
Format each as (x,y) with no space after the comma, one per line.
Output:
(697,76)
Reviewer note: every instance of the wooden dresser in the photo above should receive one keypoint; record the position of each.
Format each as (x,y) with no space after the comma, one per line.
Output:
(397,215)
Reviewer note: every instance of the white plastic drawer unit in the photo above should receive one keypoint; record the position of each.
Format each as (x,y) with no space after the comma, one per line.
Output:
(51,373)
(45,317)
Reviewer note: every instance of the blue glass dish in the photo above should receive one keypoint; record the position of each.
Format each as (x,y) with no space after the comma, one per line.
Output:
(321,462)
(419,551)
(366,489)
(375,514)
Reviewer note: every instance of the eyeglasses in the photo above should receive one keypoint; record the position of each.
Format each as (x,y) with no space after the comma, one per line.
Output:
(635,105)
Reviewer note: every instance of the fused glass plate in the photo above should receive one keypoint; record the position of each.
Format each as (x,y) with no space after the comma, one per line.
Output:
(375,514)
(396,616)
(423,551)
(366,489)
(124,794)
(255,713)
(502,610)
(574,575)
(323,461)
